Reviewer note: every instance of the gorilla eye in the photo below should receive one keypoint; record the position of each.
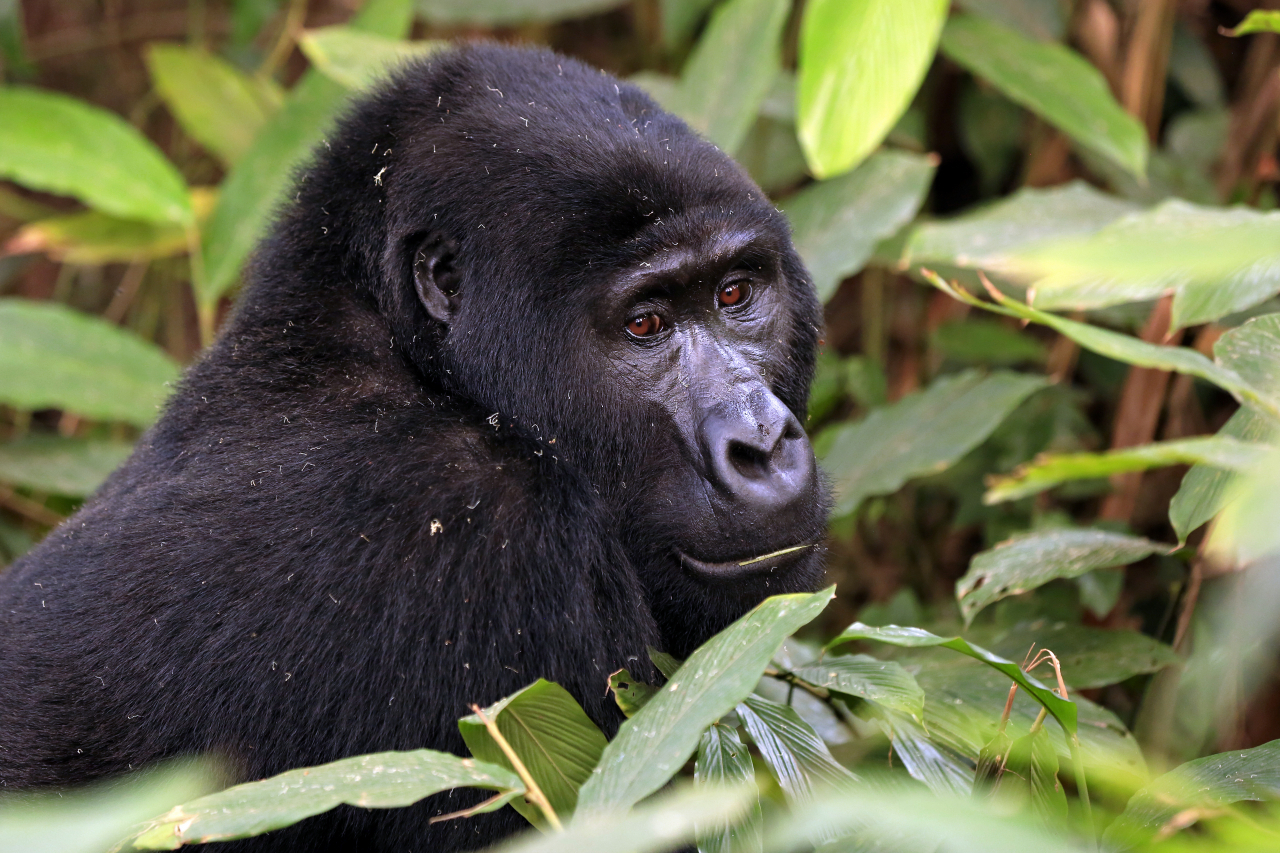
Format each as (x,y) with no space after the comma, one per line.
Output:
(646,325)
(734,294)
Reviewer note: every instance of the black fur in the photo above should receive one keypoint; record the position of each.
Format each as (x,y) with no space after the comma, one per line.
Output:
(364,510)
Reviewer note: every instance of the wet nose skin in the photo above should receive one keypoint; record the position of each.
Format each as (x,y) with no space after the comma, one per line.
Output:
(757,453)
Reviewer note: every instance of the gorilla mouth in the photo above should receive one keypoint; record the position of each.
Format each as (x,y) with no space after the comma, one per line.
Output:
(748,567)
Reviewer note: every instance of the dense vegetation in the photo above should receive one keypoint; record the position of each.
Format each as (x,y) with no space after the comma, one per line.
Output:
(1045,236)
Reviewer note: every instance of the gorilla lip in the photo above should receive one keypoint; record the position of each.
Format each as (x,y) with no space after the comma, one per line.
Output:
(743,568)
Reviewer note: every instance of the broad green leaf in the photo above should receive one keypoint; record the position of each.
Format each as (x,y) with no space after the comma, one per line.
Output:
(1120,347)
(1252,350)
(838,222)
(798,758)
(628,693)
(984,238)
(1204,489)
(61,145)
(667,822)
(680,18)
(552,735)
(772,156)
(62,466)
(493,13)
(1207,783)
(1100,590)
(991,763)
(1052,469)
(92,819)
(358,59)
(1257,21)
(861,62)
(1214,261)
(1193,68)
(1090,657)
(724,760)
(666,664)
(655,743)
(217,104)
(731,70)
(1062,710)
(1246,531)
(880,681)
(977,340)
(1029,560)
(248,196)
(1044,20)
(1052,81)
(926,761)
(1034,759)
(923,433)
(52,357)
(384,780)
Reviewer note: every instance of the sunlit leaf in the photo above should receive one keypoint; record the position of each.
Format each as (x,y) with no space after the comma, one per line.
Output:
(1052,81)
(509,12)
(1206,783)
(52,357)
(838,222)
(655,743)
(629,693)
(724,760)
(1214,261)
(1090,657)
(554,738)
(861,62)
(1246,531)
(985,237)
(1034,759)
(863,677)
(1052,469)
(1257,21)
(384,780)
(219,105)
(799,759)
(1029,560)
(730,72)
(61,145)
(1252,350)
(359,59)
(922,433)
(62,466)
(1204,489)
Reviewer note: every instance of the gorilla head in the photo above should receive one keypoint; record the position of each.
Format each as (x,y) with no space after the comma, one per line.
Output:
(549,245)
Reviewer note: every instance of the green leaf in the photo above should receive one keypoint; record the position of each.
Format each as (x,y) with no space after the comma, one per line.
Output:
(723,760)
(248,196)
(1062,710)
(1252,350)
(680,18)
(356,59)
(729,74)
(61,145)
(666,664)
(798,758)
(1035,759)
(384,780)
(1052,81)
(771,155)
(667,822)
(1120,347)
(1204,490)
(1044,20)
(976,340)
(491,13)
(861,62)
(1029,560)
(838,222)
(1090,657)
(991,763)
(984,238)
(217,104)
(1206,784)
(923,433)
(629,693)
(1257,21)
(1246,530)
(52,357)
(552,735)
(1052,469)
(1214,261)
(92,819)
(925,760)
(883,682)
(655,743)
(74,467)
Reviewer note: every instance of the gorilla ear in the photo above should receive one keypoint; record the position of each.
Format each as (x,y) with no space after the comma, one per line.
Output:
(435,277)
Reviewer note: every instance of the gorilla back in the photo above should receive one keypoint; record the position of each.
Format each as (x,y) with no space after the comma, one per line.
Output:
(514,391)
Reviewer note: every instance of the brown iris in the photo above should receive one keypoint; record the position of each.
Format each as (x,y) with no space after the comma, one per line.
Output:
(733,294)
(645,325)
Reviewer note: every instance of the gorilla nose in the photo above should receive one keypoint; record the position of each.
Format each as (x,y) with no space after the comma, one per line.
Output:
(760,456)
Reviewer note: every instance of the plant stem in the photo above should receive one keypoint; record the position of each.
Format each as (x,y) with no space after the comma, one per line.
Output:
(532,792)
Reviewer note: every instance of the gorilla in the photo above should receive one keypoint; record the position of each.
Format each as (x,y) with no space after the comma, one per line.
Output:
(514,390)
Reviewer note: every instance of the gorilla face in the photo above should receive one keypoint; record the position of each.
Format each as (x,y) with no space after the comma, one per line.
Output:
(580,266)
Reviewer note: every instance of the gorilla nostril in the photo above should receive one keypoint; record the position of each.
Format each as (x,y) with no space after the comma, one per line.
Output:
(749,461)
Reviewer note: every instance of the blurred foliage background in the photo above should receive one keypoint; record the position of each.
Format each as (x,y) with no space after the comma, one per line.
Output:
(1043,230)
